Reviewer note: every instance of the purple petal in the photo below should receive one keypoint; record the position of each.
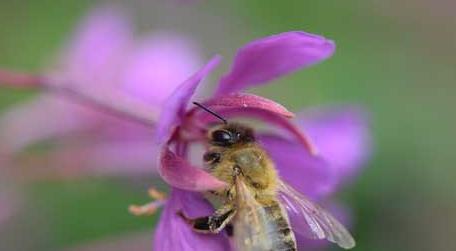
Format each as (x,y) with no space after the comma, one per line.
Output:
(158,65)
(121,158)
(119,129)
(172,233)
(30,122)
(245,100)
(107,158)
(271,57)
(177,172)
(176,104)
(342,137)
(97,48)
(308,174)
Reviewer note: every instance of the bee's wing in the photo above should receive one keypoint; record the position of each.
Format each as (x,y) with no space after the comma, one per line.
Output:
(311,220)
(251,225)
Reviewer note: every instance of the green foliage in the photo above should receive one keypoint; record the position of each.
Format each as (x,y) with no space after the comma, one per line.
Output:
(89,209)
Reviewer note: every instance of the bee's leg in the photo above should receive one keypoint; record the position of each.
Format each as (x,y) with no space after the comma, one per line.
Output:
(213,223)
(151,207)
(212,157)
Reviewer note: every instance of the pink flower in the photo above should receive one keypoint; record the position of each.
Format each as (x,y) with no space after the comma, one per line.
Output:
(102,59)
(316,162)
(338,148)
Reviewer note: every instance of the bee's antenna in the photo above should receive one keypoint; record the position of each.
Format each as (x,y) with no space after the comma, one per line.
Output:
(211,112)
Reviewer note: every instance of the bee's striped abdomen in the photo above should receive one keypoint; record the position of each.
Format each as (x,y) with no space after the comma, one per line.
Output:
(284,239)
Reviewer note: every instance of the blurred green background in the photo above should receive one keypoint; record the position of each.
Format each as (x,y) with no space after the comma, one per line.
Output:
(396,58)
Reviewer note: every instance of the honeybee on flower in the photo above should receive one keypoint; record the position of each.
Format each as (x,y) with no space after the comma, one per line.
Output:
(309,171)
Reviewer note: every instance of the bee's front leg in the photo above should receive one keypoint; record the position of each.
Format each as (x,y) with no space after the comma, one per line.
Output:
(212,157)
(213,223)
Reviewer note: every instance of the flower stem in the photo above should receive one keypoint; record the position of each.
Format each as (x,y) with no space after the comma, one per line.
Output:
(107,100)
(18,79)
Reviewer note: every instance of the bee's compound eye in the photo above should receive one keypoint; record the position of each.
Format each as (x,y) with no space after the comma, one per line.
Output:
(222,137)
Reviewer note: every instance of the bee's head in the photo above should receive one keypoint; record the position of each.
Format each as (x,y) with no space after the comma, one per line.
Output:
(228,134)
(231,134)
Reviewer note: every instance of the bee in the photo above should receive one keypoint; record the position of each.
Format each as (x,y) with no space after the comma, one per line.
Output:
(256,202)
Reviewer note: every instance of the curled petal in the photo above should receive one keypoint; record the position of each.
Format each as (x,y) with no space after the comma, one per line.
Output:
(310,175)
(158,65)
(177,172)
(267,116)
(245,100)
(175,105)
(271,57)
(172,233)
(342,136)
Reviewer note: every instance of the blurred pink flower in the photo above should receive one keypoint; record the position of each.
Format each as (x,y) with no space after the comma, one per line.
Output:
(341,138)
(102,58)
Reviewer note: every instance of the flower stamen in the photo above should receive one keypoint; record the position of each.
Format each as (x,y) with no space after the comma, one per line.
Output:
(151,207)
(156,194)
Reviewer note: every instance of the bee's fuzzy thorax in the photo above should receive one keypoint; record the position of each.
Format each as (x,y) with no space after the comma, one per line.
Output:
(256,166)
